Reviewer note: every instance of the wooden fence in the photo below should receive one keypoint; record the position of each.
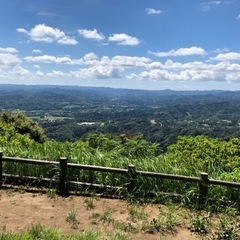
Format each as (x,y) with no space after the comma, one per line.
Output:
(131,175)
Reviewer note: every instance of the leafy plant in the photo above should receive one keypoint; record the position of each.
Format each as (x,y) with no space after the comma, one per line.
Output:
(165,222)
(227,230)
(51,193)
(23,125)
(89,202)
(135,211)
(104,216)
(199,224)
(72,219)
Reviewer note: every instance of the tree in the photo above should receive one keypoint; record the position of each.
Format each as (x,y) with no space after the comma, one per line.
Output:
(23,125)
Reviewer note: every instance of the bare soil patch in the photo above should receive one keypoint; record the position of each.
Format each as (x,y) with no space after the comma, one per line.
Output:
(20,210)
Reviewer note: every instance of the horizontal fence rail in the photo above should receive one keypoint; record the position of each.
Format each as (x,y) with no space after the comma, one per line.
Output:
(131,175)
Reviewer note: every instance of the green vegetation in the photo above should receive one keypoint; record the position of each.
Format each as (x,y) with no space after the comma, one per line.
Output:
(187,142)
(188,156)
(20,124)
(72,113)
(72,219)
(46,233)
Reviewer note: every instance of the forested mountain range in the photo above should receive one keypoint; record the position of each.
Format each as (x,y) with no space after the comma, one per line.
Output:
(69,113)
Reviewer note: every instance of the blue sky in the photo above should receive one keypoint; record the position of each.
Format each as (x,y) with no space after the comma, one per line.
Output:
(143,44)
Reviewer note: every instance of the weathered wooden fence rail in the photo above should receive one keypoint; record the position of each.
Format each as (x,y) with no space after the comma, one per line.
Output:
(131,175)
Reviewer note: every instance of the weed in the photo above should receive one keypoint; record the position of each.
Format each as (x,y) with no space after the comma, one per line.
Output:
(136,212)
(199,224)
(88,234)
(165,222)
(231,211)
(152,227)
(10,192)
(125,226)
(119,236)
(41,232)
(72,219)
(51,193)
(104,216)
(227,230)
(89,203)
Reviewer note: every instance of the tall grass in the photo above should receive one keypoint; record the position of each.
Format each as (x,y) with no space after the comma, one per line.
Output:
(119,155)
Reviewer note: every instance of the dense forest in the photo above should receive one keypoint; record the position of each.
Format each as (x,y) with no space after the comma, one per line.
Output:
(72,113)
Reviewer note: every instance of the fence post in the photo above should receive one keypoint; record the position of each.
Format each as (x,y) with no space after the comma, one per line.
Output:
(203,188)
(63,188)
(1,169)
(132,178)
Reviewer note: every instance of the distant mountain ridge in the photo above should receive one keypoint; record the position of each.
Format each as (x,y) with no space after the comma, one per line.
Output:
(161,115)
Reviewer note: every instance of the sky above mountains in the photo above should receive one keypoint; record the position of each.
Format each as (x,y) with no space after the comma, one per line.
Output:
(142,44)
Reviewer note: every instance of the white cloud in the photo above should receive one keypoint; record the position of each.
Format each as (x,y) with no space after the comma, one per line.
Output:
(8,50)
(52,59)
(39,74)
(8,59)
(189,71)
(220,50)
(227,56)
(36,51)
(18,70)
(180,52)
(43,33)
(128,61)
(151,11)
(238,16)
(36,66)
(99,72)
(124,39)
(21,30)
(91,34)
(225,66)
(233,77)
(55,73)
(90,59)
(116,61)
(206,6)
(184,75)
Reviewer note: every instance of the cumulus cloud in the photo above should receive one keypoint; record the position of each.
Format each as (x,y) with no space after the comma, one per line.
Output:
(52,59)
(21,30)
(36,51)
(227,56)
(18,70)
(180,52)
(225,66)
(183,75)
(189,71)
(92,59)
(99,72)
(8,50)
(8,59)
(91,34)
(58,73)
(47,34)
(128,61)
(124,39)
(39,74)
(152,11)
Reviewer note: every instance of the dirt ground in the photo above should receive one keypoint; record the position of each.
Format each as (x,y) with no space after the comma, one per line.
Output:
(20,210)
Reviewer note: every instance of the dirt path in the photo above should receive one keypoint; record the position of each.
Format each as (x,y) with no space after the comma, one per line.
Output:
(19,211)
